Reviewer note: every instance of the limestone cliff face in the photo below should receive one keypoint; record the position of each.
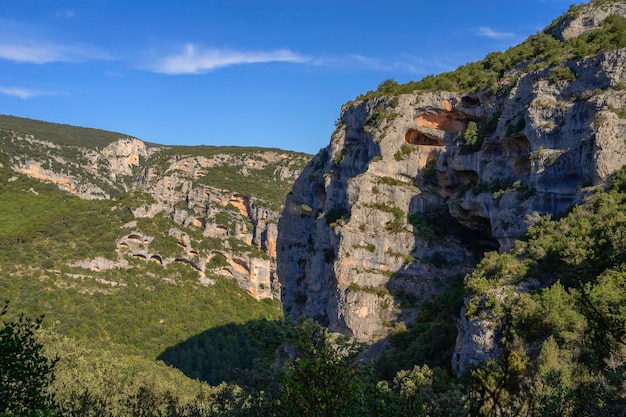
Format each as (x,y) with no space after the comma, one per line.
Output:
(412,188)
(178,192)
(221,228)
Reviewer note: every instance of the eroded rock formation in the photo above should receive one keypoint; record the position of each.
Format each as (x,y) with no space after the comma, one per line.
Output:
(413,188)
(219,231)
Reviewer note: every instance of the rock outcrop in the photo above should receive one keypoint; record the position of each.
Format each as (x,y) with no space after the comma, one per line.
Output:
(222,228)
(413,188)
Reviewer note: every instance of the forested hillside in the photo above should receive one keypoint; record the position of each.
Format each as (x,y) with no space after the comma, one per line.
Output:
(119,275)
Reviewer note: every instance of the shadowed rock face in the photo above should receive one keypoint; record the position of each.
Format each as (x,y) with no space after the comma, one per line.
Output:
(390,209)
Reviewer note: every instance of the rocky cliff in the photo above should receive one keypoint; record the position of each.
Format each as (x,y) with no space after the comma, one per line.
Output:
(413,188)
(221,204)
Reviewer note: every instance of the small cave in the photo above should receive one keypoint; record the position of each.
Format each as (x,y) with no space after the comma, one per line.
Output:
(135,238)
(470,101)
(123,245)
(518,145)
(157,259)
(188,262)
(518,149)
(320,192)
(474,232)
(140,256)
(226,271)
(521,166)
(415,137)
(242,263)
(193,253)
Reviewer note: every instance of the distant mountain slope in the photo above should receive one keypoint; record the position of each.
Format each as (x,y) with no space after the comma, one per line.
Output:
(135,247)
(213,209)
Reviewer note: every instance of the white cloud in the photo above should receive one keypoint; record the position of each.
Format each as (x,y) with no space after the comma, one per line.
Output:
(22,43)
(26,93)
(18,92)
(487,32)
(194,60)
(30,53)
(43,53)
(406,64)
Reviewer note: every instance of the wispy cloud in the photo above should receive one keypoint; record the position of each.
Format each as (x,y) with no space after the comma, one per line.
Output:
(26,93)
(66,14)
(406,64)
(488,32)
(46,52)
(195,60)
(22,43)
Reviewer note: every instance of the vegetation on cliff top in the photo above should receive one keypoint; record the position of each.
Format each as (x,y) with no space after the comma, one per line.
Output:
(61,134)
(499,69)
(261,179)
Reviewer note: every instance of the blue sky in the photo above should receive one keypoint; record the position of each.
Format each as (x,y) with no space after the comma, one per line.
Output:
(246,73)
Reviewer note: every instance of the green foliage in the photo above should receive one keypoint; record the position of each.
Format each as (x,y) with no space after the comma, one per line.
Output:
(405,150)
(53,227)
(322,375)
(397,224)
(221,354)
(431,340)
(561,74)
(25,372)
(470,136)
(379,291)
(335,214)
(570,325)
(540,49)
(433,223)
(322,380)
(60,134)
(493,383)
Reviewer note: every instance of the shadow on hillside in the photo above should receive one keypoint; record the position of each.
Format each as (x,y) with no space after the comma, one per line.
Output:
(429,290)
(224,354)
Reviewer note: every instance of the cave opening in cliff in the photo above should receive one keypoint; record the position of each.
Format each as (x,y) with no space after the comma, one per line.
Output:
(415,137)
(521,166)
(470,101)
(477,238)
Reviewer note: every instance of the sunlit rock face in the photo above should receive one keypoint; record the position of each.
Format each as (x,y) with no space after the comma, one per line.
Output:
(399,200)
(156,182)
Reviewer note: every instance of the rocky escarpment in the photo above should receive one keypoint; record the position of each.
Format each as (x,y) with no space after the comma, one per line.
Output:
(214,211)
(85,172)
(245,225)
(413,188)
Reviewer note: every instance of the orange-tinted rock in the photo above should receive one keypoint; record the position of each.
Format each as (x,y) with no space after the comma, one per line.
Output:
(448,121)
